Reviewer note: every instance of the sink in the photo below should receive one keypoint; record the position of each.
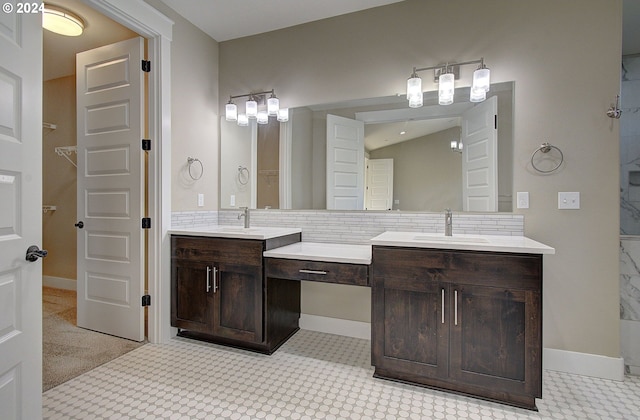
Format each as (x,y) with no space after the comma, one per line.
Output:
(449,239)
(238,229)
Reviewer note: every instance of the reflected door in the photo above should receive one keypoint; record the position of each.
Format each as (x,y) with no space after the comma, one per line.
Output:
(109,93)
(345,163)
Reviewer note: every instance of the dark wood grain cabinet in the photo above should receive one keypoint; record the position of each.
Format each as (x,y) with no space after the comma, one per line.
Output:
(219,293)
(465,321)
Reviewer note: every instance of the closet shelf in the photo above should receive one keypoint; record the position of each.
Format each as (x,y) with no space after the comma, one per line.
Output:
(50,126)
(47,208)
(66,151)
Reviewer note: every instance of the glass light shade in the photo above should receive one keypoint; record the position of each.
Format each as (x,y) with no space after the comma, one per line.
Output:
(482,79)
(414,87)
(445,88)
(477,95)
(243,120)
(61,21)
(415,101)
(251,108)
(231,112)
(263,117)
(273,105)
(283,114)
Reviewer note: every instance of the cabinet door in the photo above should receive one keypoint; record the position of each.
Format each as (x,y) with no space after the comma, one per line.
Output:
(238,302)
(409,332)
(495,338)
(191,298)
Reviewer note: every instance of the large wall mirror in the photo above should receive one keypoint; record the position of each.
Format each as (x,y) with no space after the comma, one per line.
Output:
(405,160)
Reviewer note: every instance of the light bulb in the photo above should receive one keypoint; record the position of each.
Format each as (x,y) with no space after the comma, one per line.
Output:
(231,112)
(414,87)
(445,88)
(243,120)
(251,108)
(482,79)
(283,114)
(273,104)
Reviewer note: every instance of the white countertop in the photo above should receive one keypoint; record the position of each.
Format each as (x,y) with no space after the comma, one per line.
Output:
(316,251)
(237,232)
(496,243)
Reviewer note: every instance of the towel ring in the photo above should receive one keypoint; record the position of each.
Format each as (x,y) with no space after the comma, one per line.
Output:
(546,148)
(242,178)
(190,162)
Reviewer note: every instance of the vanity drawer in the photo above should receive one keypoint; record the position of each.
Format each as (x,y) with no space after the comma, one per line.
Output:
(328,272)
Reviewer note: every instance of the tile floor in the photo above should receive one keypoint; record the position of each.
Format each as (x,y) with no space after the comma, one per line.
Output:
(312,376)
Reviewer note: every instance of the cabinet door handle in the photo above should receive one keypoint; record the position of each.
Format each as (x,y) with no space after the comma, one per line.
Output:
(312,272)
(208,279)
(215,279)
(455,307)
(442,307)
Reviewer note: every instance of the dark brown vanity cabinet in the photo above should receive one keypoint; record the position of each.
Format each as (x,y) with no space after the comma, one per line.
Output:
(465,321)
(218,293)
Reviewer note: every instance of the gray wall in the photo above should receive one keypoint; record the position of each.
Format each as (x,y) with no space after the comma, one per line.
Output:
(564,58)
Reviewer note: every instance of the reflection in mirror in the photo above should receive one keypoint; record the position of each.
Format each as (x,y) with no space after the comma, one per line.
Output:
(426,173)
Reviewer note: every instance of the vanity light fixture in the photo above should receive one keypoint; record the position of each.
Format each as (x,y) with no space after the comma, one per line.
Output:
(445,76)
(255,108)
(61,21)
(456,146)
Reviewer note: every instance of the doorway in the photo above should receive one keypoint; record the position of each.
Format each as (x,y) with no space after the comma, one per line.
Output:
(68,350)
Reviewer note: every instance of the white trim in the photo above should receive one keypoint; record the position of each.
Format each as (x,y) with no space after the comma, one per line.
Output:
(60,283)
(584,364)
(148,22)
(336,326)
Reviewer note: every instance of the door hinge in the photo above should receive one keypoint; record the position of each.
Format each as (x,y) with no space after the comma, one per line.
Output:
(146,300)
(146,144)
(495,121)
(146,223)
(146,66)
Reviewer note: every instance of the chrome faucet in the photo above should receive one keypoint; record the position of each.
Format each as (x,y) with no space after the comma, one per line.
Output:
(245,214)
(448,222)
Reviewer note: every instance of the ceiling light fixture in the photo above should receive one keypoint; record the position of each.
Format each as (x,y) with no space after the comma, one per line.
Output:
(445,76)
(61,21)
(257,107)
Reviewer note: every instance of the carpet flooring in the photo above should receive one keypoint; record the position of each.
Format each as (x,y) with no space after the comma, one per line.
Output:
(69,351)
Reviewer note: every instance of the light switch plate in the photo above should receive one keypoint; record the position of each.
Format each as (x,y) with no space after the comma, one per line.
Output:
(568,200)
(200,200)
(523,200)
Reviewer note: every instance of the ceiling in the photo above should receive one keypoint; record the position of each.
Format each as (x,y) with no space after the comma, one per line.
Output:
(223,20)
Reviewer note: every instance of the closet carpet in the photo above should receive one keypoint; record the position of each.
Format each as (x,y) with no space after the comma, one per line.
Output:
(69,351)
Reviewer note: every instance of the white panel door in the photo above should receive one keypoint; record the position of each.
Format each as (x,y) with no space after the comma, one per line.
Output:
(379,184)
(345,163)
(110,92)
(20,215)
(480,157)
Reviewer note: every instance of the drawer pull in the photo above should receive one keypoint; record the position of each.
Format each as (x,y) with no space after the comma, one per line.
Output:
(455,304)
(442,307)
(312,272)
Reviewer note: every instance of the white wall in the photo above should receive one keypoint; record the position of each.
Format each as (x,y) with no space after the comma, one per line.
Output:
(564,58)
(194,112)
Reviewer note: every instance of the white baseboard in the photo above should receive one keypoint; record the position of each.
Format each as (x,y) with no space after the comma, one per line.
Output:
(584,364)
(559,360)
(336,326)
(60,283)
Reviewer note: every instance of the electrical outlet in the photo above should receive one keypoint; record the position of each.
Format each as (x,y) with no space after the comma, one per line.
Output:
(200,200)
(569,200)
(522,200)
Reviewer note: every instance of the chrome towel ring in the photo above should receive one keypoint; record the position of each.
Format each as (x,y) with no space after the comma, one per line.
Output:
(243,175)
(546,148)
(190,162)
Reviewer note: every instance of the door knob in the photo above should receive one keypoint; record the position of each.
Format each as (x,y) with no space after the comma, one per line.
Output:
(33,253)
(79,225)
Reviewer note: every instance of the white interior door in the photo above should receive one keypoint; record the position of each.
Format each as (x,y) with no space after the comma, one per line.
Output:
(20,214)
(480,157)
(379,184)
(345,163)
(110,91)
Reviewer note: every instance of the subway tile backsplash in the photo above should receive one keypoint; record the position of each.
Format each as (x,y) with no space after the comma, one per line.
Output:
(357,227)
